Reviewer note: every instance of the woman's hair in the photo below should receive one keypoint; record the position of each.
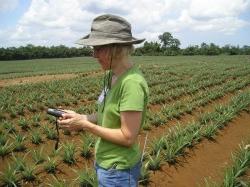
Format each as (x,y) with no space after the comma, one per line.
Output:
(120,51)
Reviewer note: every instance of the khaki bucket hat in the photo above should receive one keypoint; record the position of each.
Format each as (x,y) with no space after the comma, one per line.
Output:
(109,29)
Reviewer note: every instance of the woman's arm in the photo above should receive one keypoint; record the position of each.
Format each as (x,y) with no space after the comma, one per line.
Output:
(126,135)
(90,117)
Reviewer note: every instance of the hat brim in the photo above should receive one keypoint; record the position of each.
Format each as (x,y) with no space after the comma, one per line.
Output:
(98,41)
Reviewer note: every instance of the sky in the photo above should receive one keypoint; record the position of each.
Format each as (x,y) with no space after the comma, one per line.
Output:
(63,22)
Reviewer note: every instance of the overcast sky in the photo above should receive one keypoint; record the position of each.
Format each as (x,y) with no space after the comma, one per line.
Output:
(55,22)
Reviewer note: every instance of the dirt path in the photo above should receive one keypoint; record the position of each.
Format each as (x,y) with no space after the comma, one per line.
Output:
(42,78)
(207,159)
(34,79)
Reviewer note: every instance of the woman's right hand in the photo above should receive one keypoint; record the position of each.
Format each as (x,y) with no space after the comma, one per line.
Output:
(69,111)
(85,117)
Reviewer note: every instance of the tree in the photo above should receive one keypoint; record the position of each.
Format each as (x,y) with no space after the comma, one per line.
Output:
(170,45)
(191,50)
(149,48)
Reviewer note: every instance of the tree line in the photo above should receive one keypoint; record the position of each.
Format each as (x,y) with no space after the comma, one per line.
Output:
(167,46)
(170,46)
(33,52)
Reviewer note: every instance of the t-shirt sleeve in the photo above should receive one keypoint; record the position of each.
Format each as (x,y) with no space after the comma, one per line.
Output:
(132,97)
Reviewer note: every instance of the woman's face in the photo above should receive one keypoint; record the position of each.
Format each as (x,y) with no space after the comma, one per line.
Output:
(102,53)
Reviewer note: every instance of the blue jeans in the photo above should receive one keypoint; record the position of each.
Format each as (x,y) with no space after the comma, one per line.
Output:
(118,178)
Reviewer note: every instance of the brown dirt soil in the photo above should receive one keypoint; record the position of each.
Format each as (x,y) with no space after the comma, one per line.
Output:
(34,79)
(207,159)
(246,176)
(42,78)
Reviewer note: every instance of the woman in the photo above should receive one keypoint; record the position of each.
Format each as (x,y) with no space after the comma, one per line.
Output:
(121,105)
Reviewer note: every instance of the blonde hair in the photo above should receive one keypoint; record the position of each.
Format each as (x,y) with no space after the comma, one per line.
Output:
(121,51)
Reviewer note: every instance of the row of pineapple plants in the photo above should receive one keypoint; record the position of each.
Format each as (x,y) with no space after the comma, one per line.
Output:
(174,144)
(63,92)
(191,86)
(16,100)
(234,174)
(19,169)
(178,108)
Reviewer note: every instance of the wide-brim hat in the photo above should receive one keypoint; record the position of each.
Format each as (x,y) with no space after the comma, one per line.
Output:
(109,29)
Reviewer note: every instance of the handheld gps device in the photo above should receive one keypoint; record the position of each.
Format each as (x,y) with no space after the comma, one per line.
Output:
(55,112)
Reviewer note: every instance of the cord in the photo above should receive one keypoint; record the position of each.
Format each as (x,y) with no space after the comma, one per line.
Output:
(57,139)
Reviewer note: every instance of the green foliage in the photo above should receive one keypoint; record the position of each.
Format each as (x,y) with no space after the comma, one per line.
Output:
(241,162)
(51,165)
(155,161)
(28,172)
(3,138)
(50,133)
(9,176)
(58,182)
(9,126)
(18,144)
(32,52)
(157,144)
(69,153)
(144,174)
(5,148)
(36,137)
(38,156)
(36,118)
(23,123)
(18,163)
(86,178)
(87,143)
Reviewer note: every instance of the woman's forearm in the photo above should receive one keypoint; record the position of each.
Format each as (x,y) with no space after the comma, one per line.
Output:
(90,117)
(116,136)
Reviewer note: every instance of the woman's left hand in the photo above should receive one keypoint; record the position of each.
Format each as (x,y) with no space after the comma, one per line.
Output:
(71,122)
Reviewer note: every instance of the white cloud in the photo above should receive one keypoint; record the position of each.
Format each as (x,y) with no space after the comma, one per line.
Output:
(217,8)
(56,22)
(8,5)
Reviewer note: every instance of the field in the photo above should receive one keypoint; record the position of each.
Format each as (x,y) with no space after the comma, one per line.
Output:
(198,117)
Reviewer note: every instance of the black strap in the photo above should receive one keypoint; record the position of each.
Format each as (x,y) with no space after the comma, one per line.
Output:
(57,139)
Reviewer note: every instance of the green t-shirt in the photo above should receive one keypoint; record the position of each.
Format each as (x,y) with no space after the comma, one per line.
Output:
(129,93)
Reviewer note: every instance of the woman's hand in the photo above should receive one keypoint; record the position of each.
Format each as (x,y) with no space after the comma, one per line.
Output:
(68,111)
(72,121)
